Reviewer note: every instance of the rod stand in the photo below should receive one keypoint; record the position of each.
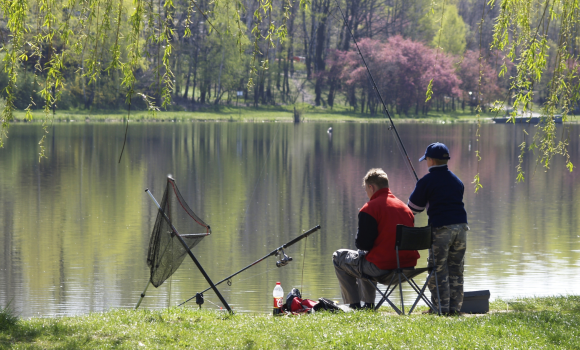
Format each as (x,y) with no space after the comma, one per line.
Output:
(199,299)
(142,295)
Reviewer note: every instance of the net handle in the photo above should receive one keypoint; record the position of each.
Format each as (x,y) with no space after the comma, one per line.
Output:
(195,234)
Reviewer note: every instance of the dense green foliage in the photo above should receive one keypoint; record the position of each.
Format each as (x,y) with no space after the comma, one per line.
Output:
(551,322)
(186,54)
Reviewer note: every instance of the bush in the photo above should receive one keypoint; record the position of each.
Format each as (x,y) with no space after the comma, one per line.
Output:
(7,318)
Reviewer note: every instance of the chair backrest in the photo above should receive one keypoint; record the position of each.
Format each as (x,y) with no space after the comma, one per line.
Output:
(413,238)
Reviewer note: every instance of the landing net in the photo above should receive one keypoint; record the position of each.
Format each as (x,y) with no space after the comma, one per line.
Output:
(165,251)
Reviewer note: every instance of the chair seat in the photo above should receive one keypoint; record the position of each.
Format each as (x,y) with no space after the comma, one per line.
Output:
(388,277)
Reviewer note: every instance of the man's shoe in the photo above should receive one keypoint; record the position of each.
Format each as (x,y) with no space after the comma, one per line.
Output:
(355,306)
(369,306)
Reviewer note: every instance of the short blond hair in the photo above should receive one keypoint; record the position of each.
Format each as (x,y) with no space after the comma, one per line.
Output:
(377,177)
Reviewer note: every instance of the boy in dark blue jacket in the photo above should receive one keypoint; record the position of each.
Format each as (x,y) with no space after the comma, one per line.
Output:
(441,193)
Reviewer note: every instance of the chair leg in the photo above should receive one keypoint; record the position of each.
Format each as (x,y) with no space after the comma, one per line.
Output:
(421,295)
(401,292)
(438,297)
(385,297)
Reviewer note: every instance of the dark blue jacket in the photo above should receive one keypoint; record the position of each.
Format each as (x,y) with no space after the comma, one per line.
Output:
(441,192)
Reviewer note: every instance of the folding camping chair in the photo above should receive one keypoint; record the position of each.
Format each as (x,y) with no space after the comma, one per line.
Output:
(408,238)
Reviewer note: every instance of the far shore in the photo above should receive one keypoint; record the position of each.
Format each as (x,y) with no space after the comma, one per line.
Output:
(284,114)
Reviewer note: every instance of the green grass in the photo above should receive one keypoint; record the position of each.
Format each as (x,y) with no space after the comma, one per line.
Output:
(251,114)
(551,322)
(7,318)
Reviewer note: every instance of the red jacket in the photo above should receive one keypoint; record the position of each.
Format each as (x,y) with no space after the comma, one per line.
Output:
(377,230)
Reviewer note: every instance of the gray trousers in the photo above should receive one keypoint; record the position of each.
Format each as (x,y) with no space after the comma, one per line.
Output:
(349,266)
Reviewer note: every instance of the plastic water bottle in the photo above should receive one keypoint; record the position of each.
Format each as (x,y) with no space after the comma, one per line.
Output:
(278,297)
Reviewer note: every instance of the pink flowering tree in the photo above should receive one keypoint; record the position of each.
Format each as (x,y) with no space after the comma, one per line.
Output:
(402,70)
(469,72)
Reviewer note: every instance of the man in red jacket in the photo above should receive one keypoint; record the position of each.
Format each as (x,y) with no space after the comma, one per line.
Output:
(375,240)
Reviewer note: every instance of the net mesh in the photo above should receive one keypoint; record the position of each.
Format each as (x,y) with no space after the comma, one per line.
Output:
(166,252)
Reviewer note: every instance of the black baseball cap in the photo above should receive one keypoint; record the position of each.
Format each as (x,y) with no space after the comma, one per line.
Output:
(436,150)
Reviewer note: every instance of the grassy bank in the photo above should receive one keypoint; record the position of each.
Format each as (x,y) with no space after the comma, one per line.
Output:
(249,114)
(552,322)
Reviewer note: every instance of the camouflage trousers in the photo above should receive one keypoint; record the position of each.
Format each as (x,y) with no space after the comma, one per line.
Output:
(449,244)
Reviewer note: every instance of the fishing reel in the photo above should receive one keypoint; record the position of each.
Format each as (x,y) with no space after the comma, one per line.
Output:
(284,260)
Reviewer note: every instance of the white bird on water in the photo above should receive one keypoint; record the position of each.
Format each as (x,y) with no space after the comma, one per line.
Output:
(329,131)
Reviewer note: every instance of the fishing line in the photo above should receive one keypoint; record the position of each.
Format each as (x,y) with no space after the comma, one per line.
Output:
(211,302)
(376,89)
(303,261)
(238,281)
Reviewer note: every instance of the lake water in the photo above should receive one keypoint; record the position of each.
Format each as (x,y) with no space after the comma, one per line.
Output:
(76,226)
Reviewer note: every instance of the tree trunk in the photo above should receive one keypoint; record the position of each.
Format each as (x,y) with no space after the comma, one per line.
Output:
(331,88)
(417,105)
(177,72)
(320,65)
(188,79)
(202,94)
(194,78)
(269,88)
(288,64)
(354,5)
(218,95)
(279,68)
(306,46)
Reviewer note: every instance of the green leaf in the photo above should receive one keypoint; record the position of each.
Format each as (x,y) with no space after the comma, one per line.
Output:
(429,90)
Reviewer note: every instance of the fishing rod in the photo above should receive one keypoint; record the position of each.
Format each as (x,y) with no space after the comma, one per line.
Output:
(284,260)
(377,90)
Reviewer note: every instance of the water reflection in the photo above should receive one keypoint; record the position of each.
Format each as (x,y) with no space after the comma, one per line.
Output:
(76,225)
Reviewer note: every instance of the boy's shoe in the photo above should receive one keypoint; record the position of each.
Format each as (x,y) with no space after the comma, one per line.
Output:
(450,313)
(431,312)
(455,313)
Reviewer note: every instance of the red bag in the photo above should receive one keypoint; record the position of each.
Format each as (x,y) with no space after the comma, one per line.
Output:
(302,305)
